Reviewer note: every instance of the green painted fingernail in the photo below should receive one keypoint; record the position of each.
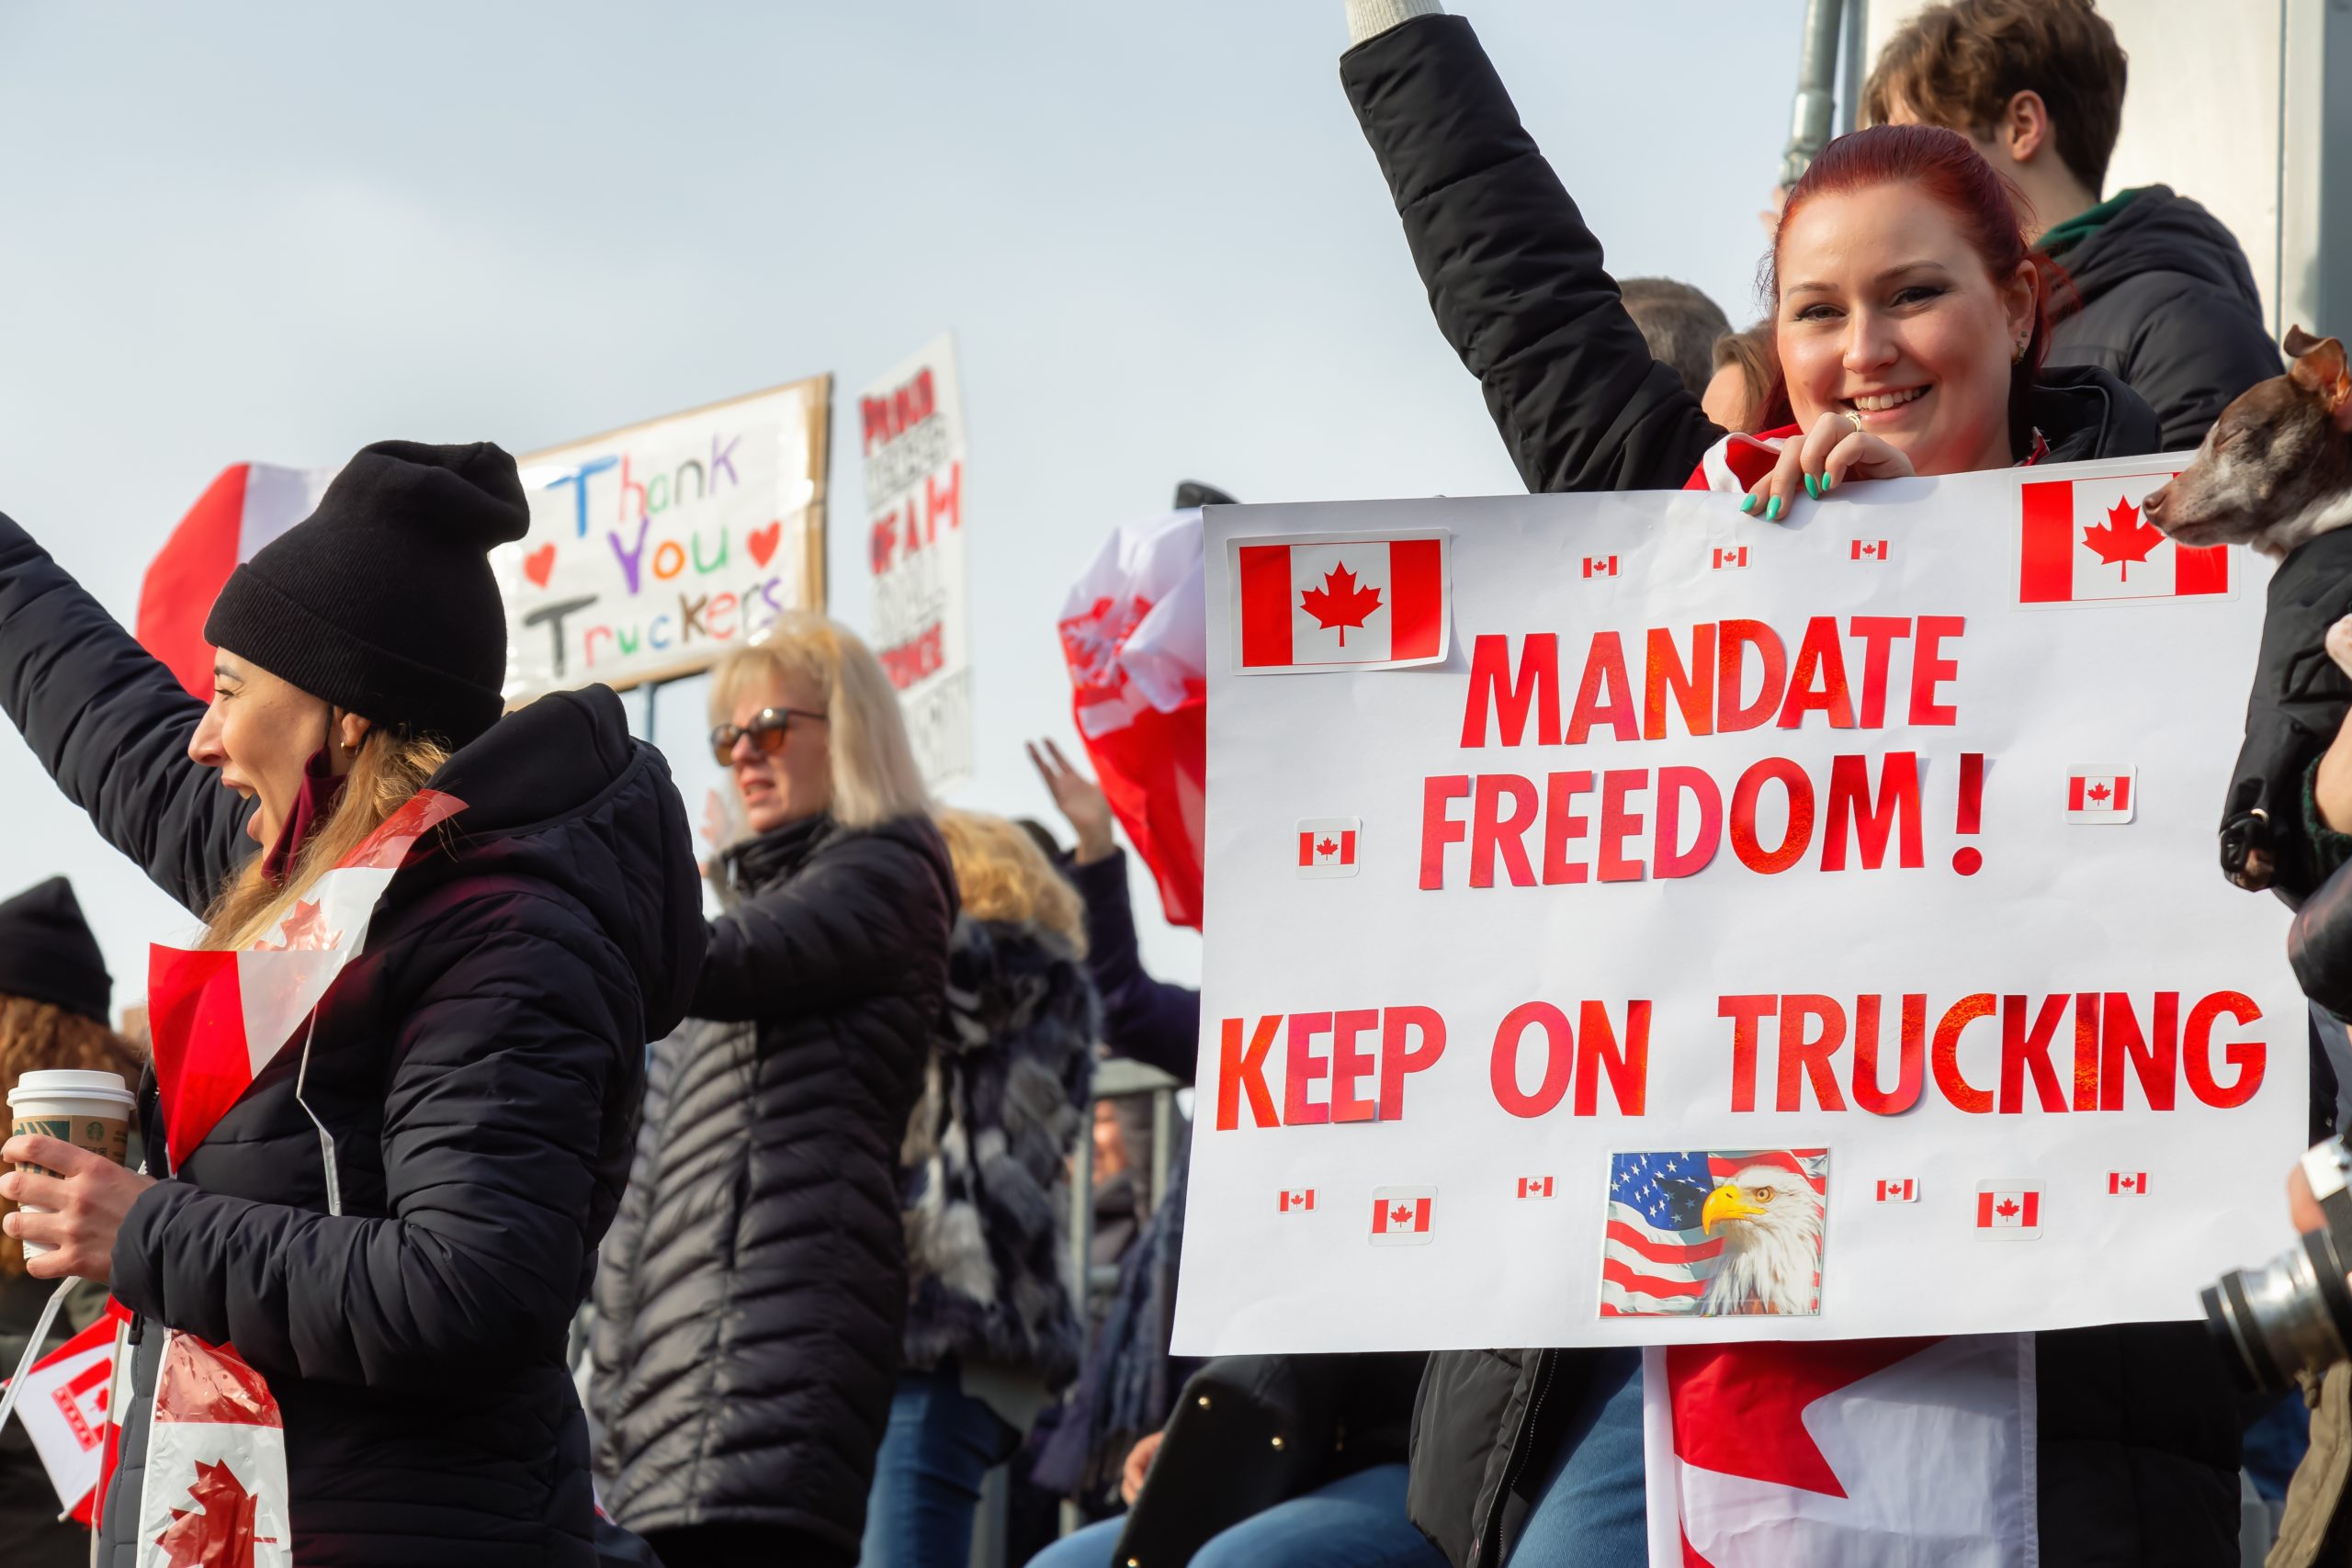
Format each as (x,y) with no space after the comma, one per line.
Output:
(1747,504)
(1811,487)
(1827,481)
(1772,513)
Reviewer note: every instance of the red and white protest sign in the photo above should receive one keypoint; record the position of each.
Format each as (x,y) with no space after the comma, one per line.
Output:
(910,437)
(1744,906)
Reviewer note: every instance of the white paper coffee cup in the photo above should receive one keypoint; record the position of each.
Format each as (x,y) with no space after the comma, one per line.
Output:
(90,1109)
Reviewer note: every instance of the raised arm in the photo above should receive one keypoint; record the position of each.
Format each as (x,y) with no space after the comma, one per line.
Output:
(112,726)
(1513,274)
(867,916)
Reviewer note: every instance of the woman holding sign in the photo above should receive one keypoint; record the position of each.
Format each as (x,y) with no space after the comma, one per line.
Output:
(1910,325)
(386,1195)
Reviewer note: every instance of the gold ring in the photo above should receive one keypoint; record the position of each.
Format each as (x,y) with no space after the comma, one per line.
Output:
(1857,419)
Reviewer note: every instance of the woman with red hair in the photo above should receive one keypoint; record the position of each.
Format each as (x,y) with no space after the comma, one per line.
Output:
(1909,320)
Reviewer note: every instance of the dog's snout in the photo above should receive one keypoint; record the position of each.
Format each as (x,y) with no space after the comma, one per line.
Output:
(2152,506)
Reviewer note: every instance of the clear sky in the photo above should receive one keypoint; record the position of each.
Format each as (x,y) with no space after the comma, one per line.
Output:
(277,232)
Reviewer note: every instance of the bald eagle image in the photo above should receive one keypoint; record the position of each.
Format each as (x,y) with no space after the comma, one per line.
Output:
(1769,1220)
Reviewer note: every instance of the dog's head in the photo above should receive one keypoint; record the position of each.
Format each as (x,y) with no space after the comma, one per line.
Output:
(2276,468)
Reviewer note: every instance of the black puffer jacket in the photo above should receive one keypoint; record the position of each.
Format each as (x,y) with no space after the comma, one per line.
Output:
(2139,1446)
(754,1289)
(2162,298)
(478,1065)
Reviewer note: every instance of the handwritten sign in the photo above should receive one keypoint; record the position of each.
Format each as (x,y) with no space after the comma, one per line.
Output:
(655,548)
(911,432)
(1733,931)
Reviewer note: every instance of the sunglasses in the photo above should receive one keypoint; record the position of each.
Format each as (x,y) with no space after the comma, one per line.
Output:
(766,730)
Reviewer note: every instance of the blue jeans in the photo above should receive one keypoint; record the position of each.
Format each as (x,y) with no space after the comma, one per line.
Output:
(1590,1510)
(1358,1521)
(939,1444)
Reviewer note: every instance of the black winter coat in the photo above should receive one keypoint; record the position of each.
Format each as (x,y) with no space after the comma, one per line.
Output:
(2139,1434)
(754,1289)
(2162,297)
(478,1065)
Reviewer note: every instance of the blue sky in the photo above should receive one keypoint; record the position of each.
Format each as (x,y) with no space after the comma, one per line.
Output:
(278,231)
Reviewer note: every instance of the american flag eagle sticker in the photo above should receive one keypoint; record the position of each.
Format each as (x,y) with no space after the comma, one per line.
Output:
(1326,845)
(2101,793)
(2009,1211)
(1402,1216)
(1713,1232)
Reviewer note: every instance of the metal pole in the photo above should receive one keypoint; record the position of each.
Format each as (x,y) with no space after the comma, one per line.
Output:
(1817,88)
(1857,69)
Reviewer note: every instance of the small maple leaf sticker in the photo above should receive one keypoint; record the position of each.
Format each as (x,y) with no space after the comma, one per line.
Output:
(2098,791)
(1400,1215)
(2006,1208)
(1327,848)
(219,1531)
(1340,603)
(2122,539)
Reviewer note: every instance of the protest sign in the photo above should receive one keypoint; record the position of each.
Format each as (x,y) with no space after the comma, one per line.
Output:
(656,548)
(1684,928)
(910,427)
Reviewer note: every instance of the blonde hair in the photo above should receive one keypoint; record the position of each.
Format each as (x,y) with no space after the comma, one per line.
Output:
(875,777)
(1002,875)
(389,770)
(39,1036)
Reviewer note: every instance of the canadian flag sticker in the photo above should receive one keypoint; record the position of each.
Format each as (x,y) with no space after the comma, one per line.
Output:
(1867,549)
(1401,1215)
(1296,1198)
(1535,1187)
(1315,602)
(1326,845)
(1601,566)
(1726,560)
(2101,793)
(2134,1182)
(1898,1189)
(2080,540)
(2009,1211)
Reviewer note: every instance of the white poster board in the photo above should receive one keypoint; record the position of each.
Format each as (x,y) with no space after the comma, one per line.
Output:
(1656,912)
(910,430)
(655,548)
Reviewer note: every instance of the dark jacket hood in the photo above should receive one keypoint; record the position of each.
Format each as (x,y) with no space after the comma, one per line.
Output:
(2156,232)
(560,793)
(2084,412)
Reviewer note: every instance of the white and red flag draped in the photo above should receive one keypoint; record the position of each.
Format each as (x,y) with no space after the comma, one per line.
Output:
(64,1411)
(214,1489)
(1849,1453)
(218,1018)
(245,508)
(1135,635)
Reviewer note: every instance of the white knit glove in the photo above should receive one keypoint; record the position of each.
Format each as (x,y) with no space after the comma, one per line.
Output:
(1370,18)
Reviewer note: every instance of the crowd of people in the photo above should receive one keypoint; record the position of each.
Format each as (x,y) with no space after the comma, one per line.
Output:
(813,1235)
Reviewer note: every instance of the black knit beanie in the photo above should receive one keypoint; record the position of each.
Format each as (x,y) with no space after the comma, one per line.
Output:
(382,601)
(48,953)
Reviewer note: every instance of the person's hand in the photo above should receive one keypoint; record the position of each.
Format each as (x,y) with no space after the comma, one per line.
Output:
(1079,799)
(1138,1465)
(90,1194)
(2302,1209)
(1833,452)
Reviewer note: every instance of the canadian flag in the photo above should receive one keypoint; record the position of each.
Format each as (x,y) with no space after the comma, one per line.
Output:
(2100,794)
(1601,566)
(215,1483)
(1135,635)
(1400,1215)
(1847,1453)
(2122,1181)
(1535,1187)
(2009,1211)
(245,508)
(1320,602)
(1868,549)
(1903,1189)
(1727,560)
(63,1409)
(1298,1198)
(218,1018)
(2084,539)
(1326,845)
